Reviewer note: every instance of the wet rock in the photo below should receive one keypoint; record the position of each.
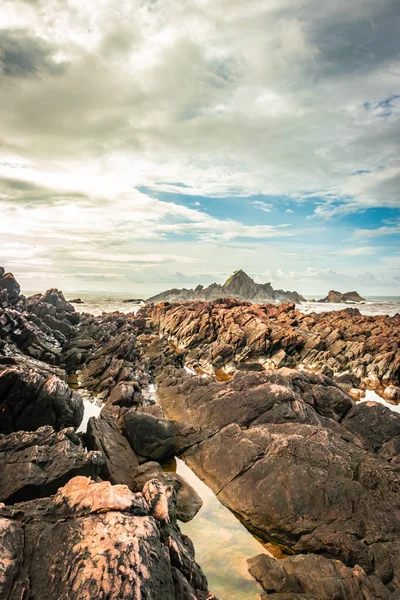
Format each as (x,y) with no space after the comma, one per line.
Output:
(149,436)
(30,397)
(120,462)
(36,464)
(103,541)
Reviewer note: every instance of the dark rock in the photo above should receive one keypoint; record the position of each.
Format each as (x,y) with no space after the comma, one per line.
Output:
(149,437)
(10,285)
(238,285)
(31,397)
(374,423)
(283,456)
(36,464)
(338,297)
(120,462)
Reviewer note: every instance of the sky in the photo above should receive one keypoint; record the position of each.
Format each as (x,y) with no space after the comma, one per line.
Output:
(148,144)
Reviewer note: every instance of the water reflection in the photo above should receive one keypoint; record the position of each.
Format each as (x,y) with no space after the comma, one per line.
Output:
(222,544)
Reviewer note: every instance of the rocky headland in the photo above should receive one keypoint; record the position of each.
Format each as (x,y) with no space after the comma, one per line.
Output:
(238,285)
(335,297)
(259,402)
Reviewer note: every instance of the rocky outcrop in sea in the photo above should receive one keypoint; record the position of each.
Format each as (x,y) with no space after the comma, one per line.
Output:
(238,285)
(335,297)
(259,402)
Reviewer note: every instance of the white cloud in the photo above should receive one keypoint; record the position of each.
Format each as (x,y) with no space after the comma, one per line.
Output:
(270,99)
(390,229)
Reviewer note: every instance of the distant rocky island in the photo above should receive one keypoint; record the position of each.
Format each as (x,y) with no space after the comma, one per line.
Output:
(238,285)
(335,297)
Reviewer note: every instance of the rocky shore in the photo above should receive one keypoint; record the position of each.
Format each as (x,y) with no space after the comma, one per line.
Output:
(82,515)
(256,400)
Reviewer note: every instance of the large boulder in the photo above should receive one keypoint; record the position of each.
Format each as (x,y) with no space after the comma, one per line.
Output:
(36,464)
(94,540)
(30,396)
(10,285)
(283,452)
(372,422)
(312,576)
(149,436)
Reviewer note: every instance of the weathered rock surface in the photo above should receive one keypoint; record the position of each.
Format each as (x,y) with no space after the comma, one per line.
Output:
(108,357)
(9,284)
(149,436)
(120,462)
(238,285)
(292,455)
(229,334)
(96,541)
(188,502)
(35,464)
(338,298)
(31,397)
(312,576)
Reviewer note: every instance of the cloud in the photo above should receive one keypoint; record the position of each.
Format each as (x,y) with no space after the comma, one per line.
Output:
(390,229)
(22,55)
(270,102)
(293,101)
(264,206)
(356,251)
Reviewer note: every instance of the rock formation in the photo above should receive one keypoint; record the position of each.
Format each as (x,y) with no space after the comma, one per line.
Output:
(334,297)
(65,531)
(254,397)
(230,334)
(238,285)
(94,540)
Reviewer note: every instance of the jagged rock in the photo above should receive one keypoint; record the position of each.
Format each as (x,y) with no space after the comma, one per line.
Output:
(149,436)
(36,464)
(238,285)
(338,297)
(237,332)
(94,540)
(31,397)
(312,576)
(10,285)
(120,462)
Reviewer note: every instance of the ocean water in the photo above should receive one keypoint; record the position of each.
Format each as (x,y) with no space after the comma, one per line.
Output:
(373,305)
(96,304)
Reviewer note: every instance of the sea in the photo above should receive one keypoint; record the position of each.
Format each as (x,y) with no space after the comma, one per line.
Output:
(96,304)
